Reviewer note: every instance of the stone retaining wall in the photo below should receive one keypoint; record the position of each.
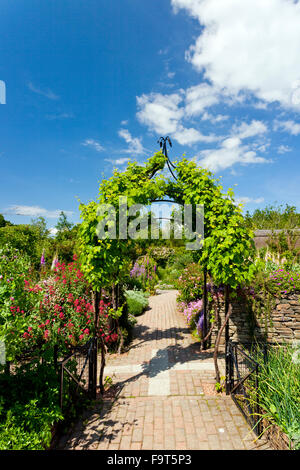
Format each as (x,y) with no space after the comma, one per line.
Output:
(262,237)
(281,324)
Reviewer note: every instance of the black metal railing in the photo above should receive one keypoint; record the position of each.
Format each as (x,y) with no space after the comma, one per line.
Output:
(80,367)
(242,381)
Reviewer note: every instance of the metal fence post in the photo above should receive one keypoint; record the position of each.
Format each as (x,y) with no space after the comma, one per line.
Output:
(259,424)
(95,354)
(61,386)
(204,306)
(228,372)
(93,369)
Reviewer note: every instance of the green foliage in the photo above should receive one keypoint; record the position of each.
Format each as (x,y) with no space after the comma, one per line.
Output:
(25,238)
(40,225)
(228,250)
(4,222)
(35,238)
(161,254)
(279,393)
(37,316)
(274,217)
(168,276)
(228,247)
(144,270)
(178,259)
(190,283)
(63,225)
(28,407)
(137,301)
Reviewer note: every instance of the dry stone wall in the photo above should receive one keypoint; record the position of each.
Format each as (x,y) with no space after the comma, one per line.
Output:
(277,324)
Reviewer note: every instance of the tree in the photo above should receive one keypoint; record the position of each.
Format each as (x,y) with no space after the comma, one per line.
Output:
(274,217)
(63,225)
(3,222)
(41,225)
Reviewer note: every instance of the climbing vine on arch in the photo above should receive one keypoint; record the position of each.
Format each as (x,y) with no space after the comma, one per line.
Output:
(228,248)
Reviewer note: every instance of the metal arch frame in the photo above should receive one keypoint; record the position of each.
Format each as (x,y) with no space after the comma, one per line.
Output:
(163,141)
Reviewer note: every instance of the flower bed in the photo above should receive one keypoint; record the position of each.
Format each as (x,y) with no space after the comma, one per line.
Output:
(41,322)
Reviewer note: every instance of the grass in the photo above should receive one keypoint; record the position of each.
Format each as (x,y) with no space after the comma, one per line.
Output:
(279,389)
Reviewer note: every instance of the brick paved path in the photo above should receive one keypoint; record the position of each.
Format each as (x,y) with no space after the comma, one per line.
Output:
(165,397)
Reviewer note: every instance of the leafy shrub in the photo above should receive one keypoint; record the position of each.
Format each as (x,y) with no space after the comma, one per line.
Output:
(169,275)
(28,408)
(56,311)
(190,283)
(144,270)
(181,259)
(137,301)
(161,254)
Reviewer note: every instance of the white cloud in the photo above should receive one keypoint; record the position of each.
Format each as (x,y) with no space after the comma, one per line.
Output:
(244,130)
(283,149)
(200,97)
(44,92)
(53,231)
(248,46)
(135,145)
(164,115)
(118,161)
(247,200)
(161,113)
(290,126)
(191,136)
(214,119)
(232,150)
(36,211)
(93,144)
(58,116)
(171,74)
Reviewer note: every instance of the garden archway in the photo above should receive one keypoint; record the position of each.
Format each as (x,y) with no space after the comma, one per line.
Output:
(228,248)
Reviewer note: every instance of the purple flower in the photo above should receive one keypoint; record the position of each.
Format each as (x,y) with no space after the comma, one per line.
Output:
(200,323)
(43,260)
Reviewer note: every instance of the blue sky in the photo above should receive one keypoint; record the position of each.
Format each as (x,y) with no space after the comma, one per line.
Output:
(92,83)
